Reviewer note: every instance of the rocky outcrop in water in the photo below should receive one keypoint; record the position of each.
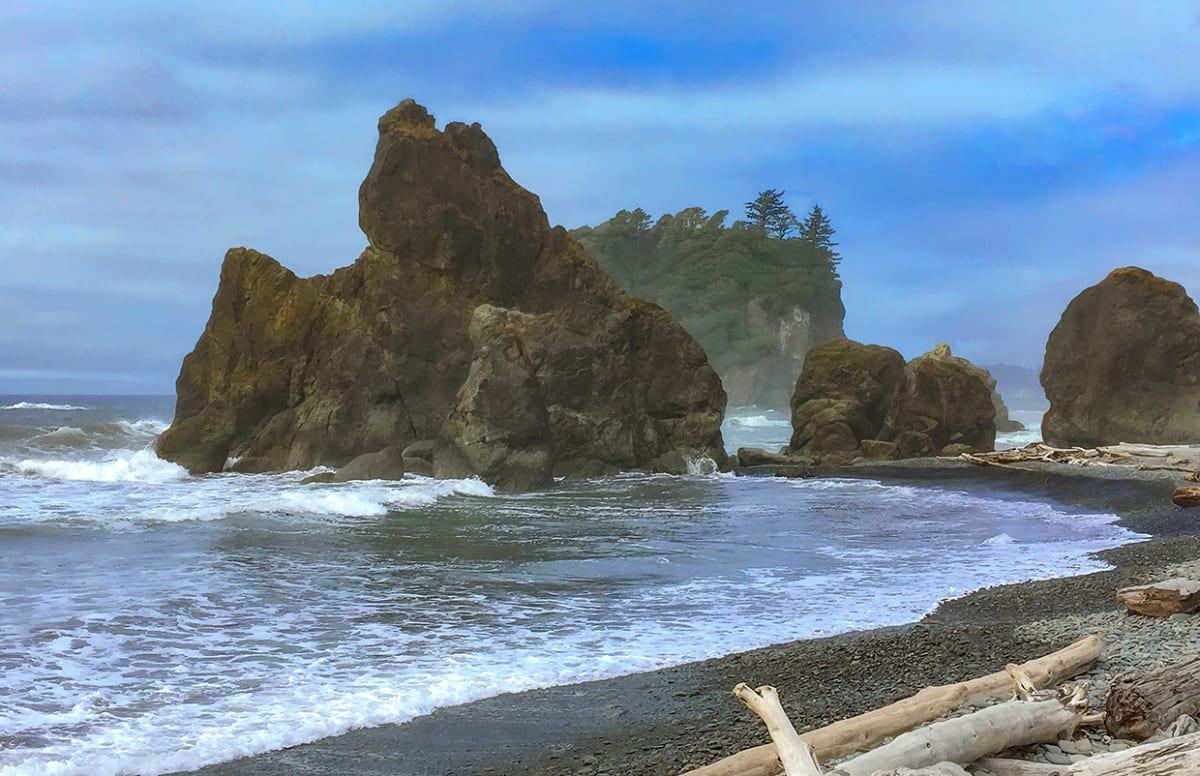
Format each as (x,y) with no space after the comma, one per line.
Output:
(1003,421)
(856,401)
(1123,365)
(468,325)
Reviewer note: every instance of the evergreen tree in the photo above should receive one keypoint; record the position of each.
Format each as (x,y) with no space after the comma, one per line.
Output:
(818,232)
(768,211)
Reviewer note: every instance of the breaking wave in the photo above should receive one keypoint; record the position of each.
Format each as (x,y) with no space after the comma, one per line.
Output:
(128,466)
(760,421)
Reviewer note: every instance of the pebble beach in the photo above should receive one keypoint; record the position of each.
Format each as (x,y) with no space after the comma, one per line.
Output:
(665,722)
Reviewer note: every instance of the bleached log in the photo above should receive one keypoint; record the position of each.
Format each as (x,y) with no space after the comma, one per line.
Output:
(865,730)
(1006,766)
(941,769)
(1141,703)
(795,755)
(1162,599)
(1175,756)
(980,734)
(1151,451)
(1172,757)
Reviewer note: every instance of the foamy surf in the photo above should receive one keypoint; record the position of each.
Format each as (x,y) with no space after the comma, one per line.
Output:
(127,466)
(177,621)
(35,405)
(760,421)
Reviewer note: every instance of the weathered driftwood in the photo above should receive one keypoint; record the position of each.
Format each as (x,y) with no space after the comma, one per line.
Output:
(1173,757)
(867,729)
(1142,703)
(941,769)
(1186,496)
(795,755)
(982,733)
(1162,599)
(1176,756)
(1006,766)
(937,749)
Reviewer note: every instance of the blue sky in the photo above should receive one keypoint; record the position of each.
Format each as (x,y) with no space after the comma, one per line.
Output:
(982,162)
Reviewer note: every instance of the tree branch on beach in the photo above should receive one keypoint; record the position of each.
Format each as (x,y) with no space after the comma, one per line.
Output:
(868,729)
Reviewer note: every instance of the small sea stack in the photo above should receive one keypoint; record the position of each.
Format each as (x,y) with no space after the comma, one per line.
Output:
(468,324)
(856,401)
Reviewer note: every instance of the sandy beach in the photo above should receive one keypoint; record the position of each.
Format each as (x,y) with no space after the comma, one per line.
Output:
(666,721)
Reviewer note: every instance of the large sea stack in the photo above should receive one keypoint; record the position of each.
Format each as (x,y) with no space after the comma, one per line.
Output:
(1123,365)
(468,324)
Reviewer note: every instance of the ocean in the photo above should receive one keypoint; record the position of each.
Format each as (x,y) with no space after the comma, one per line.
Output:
(156,622)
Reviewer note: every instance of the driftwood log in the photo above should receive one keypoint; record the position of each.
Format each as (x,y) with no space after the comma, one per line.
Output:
(1032,717)
(1186,496)
(1006,766)
(1162,599)
(866,730)
(1142,703)
(795,755)
(941,769)
(985,732)
(1174,756)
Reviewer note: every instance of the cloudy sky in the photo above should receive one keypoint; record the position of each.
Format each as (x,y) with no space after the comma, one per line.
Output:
(982,162)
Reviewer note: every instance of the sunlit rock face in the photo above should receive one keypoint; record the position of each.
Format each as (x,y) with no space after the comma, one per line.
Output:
(1123,365)
(468,321)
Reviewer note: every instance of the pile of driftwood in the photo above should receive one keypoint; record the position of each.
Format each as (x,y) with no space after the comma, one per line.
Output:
(1162,702)
(1184,459)
(1181,458)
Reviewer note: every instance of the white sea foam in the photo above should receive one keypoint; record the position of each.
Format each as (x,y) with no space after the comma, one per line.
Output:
(999,540)
(760,421)
(126,466)
(31,405)
(347,503)
(284,612)
(701,466)
(143,426)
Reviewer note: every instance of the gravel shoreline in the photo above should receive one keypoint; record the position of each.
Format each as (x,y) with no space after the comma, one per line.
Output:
(663,722)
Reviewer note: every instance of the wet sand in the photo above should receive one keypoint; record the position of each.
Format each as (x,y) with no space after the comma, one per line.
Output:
(664,722)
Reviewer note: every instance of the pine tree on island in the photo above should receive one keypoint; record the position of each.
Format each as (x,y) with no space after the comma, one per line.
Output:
(768,211)
(818,232)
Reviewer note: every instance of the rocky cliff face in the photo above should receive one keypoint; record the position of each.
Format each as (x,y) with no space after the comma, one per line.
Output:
(1123,365)
(863,401)
(770,381)
(468,320)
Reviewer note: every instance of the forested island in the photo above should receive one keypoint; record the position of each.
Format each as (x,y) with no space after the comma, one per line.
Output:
(757,293)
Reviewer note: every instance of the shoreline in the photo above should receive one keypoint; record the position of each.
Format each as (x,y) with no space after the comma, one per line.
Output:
(671,719)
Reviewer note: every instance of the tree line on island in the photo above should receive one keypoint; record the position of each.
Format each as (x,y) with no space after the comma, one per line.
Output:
(731,284)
